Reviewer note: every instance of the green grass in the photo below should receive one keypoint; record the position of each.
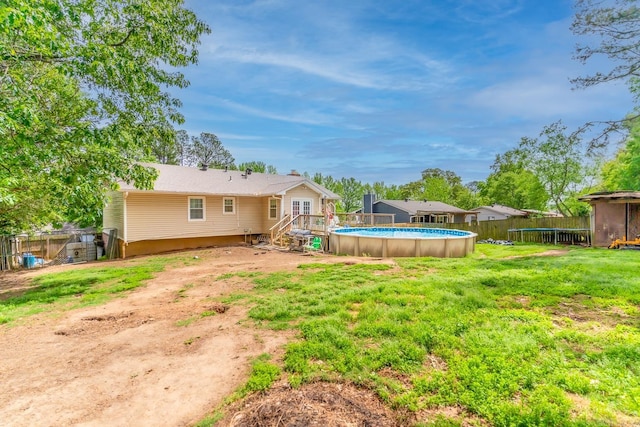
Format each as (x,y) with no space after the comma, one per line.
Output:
(510,338)
(56,292)
(516,339)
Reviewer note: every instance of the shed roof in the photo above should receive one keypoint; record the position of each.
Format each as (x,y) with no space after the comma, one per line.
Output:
(188,180)
(611,195)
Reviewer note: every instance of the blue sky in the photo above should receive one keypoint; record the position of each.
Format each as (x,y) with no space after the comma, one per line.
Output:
(380,90)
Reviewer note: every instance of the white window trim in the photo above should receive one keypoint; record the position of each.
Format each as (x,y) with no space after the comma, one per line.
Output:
(224,211)
(272,199)
(204,208)
(302,200)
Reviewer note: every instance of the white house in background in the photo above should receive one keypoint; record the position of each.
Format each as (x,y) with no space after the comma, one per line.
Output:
(495,212)
(192,208)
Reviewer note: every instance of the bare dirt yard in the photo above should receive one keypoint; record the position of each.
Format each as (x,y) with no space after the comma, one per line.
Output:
(135,361)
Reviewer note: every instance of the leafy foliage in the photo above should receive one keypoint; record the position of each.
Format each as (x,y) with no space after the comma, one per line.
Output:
(172,151)
(82,98)
(552,169)
(623,171)
(441,185)
(350,190)
(257,166)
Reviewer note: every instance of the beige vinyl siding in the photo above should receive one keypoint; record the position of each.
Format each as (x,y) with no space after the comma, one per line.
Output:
(166,216)
(303,192)
(250,213)
(113,214)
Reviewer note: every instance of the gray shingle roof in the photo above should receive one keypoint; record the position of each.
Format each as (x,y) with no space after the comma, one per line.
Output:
(413,206)
(505,210)
(187,180)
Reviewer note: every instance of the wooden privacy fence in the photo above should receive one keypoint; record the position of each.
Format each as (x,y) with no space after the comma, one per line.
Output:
(499,229)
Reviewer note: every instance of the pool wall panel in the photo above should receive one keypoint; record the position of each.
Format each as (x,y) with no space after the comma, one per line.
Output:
(373,246)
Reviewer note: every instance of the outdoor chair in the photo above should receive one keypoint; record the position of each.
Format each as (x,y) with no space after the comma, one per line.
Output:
(314,245)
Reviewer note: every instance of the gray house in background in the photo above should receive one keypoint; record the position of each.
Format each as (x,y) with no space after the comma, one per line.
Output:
(408,211)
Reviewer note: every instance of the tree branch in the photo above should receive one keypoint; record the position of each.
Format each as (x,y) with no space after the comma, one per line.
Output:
(34,57)
(124,40)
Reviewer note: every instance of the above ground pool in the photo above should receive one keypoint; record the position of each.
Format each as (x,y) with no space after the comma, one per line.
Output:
(402,242)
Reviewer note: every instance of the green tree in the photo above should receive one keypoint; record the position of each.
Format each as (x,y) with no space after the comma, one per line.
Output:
(83,97)
(383,191)
(207,150)
(469,196)
(623,171)
(549,171)
(351,192)
(519,189)
(557,159)
(326,181)
(511,184)
(171,151)
(257,166)
(440,185)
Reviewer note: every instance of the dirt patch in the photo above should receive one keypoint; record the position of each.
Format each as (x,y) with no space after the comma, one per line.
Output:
(317,404)
(551,252)
(164,354)
(581,311)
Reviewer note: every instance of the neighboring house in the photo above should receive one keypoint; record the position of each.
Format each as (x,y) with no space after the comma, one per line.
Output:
(191,208)
(614,215)
(498,212)
(407,211)
(495,212)
(542,214)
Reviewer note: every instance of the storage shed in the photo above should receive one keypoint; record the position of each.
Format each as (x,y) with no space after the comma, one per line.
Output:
(614,215)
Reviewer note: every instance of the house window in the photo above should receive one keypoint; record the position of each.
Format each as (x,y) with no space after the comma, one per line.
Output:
(273,208)
(196,209)
(228,205)
(442,219)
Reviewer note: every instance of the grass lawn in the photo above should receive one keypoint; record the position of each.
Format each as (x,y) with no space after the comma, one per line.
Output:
(66,290)
(506,337)
(513,341)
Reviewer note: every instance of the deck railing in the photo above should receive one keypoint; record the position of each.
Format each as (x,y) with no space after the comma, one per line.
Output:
(279,229)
